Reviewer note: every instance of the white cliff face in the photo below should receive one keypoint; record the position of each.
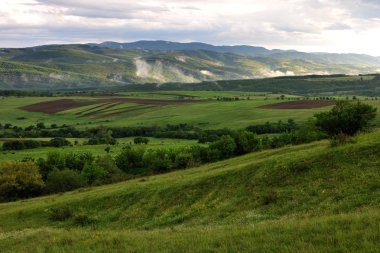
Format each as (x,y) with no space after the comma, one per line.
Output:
(160,72)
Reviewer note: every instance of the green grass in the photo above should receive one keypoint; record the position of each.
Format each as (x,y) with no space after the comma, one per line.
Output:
(306,198)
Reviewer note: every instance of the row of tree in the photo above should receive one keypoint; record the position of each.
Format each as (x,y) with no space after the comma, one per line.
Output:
(30,144)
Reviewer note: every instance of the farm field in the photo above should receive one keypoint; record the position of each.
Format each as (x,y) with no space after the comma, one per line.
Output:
(149,108)
(316,205)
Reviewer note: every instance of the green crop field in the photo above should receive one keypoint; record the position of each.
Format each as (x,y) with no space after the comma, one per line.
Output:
(208,114)
(305,198)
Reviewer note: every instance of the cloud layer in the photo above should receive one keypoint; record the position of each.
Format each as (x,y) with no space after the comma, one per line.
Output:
(308,25)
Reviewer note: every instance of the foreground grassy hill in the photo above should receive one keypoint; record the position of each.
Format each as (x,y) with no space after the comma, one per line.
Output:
(306,198)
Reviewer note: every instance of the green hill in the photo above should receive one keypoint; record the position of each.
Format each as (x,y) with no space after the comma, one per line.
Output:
(306,198)
(83,66)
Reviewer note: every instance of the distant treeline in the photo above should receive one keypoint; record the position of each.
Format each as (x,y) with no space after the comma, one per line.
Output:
(107,135)
(30,144)
(299,85)
(25,93)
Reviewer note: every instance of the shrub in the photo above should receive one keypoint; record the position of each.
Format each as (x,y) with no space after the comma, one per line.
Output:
(141,140)
(59,213)
(346,118)
(246,142)
(82,219)
(270,197)
(213,155)
(13,145)
(159,160)
(64,180)
(226,146)
(93,173)
(30,144)
(341,139)
(130,160)
(20,180)
(102,136)
(54,160)
(76,161)
(114,174)
(59,142)
(184,160)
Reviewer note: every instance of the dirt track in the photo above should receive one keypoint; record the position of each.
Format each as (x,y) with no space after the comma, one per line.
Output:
(302,104)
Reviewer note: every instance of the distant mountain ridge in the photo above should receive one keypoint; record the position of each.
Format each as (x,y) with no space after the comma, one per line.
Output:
(177,46)
(246,51)
(112,63)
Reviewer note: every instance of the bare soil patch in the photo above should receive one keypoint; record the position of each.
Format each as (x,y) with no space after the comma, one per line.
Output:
(66,104)
(56,105)
(302,104)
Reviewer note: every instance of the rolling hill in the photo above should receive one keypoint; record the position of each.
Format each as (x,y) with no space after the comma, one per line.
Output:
(115,64)
(306,198)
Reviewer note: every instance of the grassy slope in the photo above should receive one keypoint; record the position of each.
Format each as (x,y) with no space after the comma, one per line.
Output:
(328,201)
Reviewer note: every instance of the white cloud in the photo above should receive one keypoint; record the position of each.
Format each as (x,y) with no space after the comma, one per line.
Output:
(309,25)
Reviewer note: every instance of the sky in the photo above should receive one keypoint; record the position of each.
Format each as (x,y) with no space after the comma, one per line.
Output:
(341,26)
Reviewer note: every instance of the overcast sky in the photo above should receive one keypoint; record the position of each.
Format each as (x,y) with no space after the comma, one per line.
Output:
(305,25)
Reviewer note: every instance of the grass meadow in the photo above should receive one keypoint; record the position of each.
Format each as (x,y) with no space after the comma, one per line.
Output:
(210,114)
(305,198)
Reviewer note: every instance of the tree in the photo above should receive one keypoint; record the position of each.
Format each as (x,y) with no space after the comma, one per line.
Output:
(40,125)
(59,142)
(93,173)
(19,180)
(54,160)
(102,136)
(184,160)
(130,160)
(345,118)
(226,146)
(159,160)
(246,142)
(141,140)
(64,180)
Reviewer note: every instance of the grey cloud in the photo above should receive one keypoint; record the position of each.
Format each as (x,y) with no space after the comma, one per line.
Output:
(339,26)
(281,23)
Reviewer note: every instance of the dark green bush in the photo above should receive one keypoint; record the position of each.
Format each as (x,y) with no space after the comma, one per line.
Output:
(270,197)
(130,160)
(58,142)
(141,140)
(226,146)
(82,219)
(59,213)
(64,180)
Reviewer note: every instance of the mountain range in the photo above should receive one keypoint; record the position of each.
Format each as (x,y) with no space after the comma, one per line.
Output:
(113,63)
